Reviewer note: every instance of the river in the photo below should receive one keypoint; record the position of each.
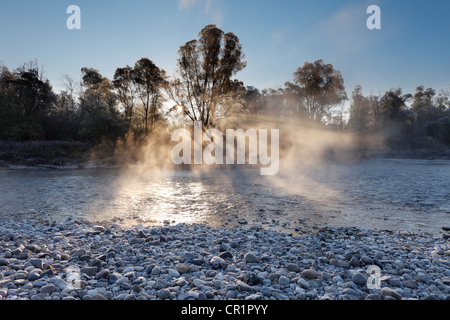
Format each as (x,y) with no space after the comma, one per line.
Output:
(406,195)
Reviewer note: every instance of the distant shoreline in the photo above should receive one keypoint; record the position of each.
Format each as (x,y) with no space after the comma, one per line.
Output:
(77,155)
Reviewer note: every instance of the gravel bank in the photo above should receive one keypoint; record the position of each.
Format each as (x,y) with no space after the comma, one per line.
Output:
(83,261)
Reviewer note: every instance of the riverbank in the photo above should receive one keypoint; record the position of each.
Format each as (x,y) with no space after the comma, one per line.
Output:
(77,260)
(78,155)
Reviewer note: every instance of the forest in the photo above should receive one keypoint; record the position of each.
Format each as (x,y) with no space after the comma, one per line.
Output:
(142,101)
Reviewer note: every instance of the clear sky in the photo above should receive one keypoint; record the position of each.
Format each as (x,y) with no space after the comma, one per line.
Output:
(411,49)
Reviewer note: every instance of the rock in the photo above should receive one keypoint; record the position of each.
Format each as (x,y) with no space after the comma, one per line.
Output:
(266,291)
(359,279)
(351,292)
(386,291)
(252,279)
(243,286)
(310,274)
(47,289)
(303,283)
(198,282)
(395,282)
(37,263)
(226,255)
(250,257)
(354,262)
(34,274)
(182,268)
(273,277)
(61,284)
(163,294)
(373,297)
(173,273)
(98,296)
(410,284)
(293,267)
(3,293)
(242,221)
(79,253)
(90,271)
(113,277)
(104,273)
(4,262)
(366,260)
(156,271)
(283,281)
(217,262)
(180,282)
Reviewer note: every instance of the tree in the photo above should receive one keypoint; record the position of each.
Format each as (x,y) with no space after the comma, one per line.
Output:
(149,80)
(205,67)
(393,101)
(359,111)
(26,97)
(98,105)
(320,87)
(125,84)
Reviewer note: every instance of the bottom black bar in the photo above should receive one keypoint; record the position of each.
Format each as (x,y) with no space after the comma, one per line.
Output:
(232,309)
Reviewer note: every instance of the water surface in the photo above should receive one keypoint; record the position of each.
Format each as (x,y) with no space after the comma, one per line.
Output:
(410,195)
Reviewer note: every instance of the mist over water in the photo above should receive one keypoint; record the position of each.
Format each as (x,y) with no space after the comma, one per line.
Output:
(411,195)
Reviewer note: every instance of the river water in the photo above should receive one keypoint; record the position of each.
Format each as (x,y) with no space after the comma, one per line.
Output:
(406,195)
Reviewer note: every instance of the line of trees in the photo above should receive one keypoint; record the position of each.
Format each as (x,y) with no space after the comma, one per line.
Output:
(140,99)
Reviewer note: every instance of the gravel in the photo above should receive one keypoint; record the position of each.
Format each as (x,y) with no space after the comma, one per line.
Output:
(78,260)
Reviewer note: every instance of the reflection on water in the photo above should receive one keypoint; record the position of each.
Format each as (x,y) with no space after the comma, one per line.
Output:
(409,195)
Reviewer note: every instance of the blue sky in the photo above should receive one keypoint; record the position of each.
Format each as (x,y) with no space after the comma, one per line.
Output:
(411,49)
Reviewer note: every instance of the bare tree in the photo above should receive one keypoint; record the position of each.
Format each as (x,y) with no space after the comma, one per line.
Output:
(205,68)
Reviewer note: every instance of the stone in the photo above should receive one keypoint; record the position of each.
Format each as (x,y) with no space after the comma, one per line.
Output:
(98,296)
(252,279)
(37,263)
(310,274)
(61,284)
(173,273)
(303,283)
(266,291)
(90,271)
(104,273)
(217,262)
(283,281)
(354,262)
(156,271)
(50,288)
(34,274)
(243,286)
(410,284)
(386,291)
(351,292)
(293,267)
(4,262)
(359,279)
(198,282)
(373,296)
(250,257)
(226,255)
(182,268)
(113,277)
(79,253)
(163,294)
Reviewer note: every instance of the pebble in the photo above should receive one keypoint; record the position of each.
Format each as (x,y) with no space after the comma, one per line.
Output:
(201,262)
(359,279)
(251,257)
(389,292)
(310,274)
